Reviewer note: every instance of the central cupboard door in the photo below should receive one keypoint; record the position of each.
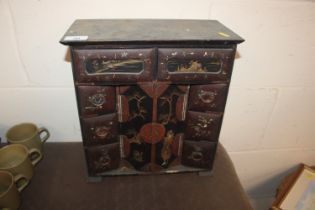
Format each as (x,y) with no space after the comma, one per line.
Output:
(152,120)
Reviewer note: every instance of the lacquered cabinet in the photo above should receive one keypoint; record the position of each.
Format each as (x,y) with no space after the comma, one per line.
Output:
(150,102)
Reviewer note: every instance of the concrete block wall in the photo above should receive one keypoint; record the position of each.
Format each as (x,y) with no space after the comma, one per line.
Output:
(270,113)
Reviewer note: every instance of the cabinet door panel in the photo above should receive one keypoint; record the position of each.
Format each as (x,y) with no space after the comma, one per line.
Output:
(103,158)
(113,65)
(171,113)
(100,130)
(135,114)
(208,97)
(198,154)
(203,126)
(195,65)
(96,99)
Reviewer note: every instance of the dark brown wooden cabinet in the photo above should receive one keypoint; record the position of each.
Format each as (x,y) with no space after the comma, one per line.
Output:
(150,93)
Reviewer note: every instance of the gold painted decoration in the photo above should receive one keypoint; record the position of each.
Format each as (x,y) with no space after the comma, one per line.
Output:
(101,65)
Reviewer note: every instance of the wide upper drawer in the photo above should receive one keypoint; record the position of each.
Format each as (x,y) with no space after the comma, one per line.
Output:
(195,65)
(113,65)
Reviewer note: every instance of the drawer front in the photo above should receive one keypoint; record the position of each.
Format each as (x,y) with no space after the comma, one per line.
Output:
(203,126)
(103,158)
(207,97)
(198,154)
(100,130)
(96,99)
(195,65)
(113,65)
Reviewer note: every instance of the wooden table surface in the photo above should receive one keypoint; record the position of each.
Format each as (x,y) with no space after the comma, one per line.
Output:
(60,183)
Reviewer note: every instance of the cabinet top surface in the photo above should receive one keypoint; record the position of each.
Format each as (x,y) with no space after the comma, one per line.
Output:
(89,31)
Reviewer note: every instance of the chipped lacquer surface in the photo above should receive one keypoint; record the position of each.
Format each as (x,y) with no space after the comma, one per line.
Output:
(150,100)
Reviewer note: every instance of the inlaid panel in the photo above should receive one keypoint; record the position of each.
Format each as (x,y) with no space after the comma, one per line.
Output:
(195,65)
(113,65)
(171,113)
(135,114)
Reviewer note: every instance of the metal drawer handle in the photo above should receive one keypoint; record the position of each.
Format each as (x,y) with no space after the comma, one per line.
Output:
(196,156)
(102,132)
(207,97)
(97,99)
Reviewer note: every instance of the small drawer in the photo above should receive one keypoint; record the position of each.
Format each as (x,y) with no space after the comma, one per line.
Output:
(207,97)
(96,99)
(198,154)
(113,65)
(195,65)
(103,158)
(100,130)
(203,126)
